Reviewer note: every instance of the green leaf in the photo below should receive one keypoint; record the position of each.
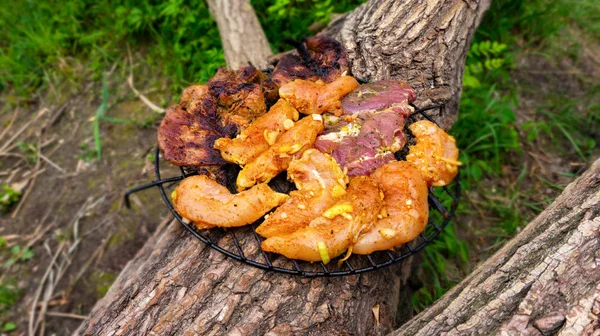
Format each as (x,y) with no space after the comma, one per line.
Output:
(27,254)
(9,326)
(15,250)
(10,262)
(470,82)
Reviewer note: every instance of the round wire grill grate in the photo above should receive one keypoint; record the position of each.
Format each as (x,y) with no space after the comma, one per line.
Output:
(243,243)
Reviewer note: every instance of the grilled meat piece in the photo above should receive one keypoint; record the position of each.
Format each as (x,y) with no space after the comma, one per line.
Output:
(406,208)
(323,58)
(207,203)
(319,180)
(380,95)
(188,130)
(239,95)
(435,154)
(317,97)
(371,129)
(277,158)
(226,104)
(330,235)
(260,135)
(364,145)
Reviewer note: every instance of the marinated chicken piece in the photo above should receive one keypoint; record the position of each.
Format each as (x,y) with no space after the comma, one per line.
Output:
(405,211)
(371,129)
(319,180)
(187,132)
(323,59)
(208,204)
(315,171)
(435,154)
(330,235)
(239,95)
(317,97)
(259,135)
(277,158)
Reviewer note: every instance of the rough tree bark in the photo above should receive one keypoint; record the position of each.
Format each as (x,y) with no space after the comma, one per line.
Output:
(243,39)
(421,42)
(176,285)
(545,281)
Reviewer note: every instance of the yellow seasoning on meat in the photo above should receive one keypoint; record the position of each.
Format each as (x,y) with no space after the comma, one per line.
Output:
(388,233)
(295,148)
(285,148)
(287,124)
(338,191)
(323,252)
(337,209)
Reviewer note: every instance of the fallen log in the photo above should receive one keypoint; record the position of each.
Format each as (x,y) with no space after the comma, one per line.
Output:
(544,281)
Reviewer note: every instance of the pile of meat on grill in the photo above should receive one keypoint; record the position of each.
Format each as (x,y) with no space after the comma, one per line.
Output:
(334,139)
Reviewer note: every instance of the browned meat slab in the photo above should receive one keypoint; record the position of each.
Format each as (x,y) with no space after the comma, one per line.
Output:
(188,130)
(239,95)
(324,59)
(366,136)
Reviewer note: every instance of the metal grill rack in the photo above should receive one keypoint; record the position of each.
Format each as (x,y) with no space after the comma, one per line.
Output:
(243,243)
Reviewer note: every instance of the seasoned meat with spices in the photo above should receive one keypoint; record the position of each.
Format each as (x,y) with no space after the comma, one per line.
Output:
(381,95)
(330,235)
(226,104)
(371,129)
(259,135)
(187,132)
(324,59)
(405,210)
(277,158)
(319,180)
(239,95)
(208,204)
(435,153)
(318,97)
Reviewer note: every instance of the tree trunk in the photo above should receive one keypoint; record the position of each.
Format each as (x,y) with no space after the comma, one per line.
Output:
(424,43)
(243,39)
(545,281)
(177,285)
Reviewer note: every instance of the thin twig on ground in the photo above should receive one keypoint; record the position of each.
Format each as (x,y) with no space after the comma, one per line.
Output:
(60,262)
(50,162)
(138,94)
(32,180)
(68,315)
(22,129)
(12,120)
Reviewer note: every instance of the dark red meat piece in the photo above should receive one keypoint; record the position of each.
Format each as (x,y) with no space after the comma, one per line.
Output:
(324,58)
(370,131)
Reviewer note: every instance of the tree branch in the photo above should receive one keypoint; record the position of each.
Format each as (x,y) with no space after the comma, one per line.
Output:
(241,34)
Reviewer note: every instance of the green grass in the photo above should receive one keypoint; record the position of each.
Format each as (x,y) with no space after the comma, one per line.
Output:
(178,38)
(8,197)
(9,296)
